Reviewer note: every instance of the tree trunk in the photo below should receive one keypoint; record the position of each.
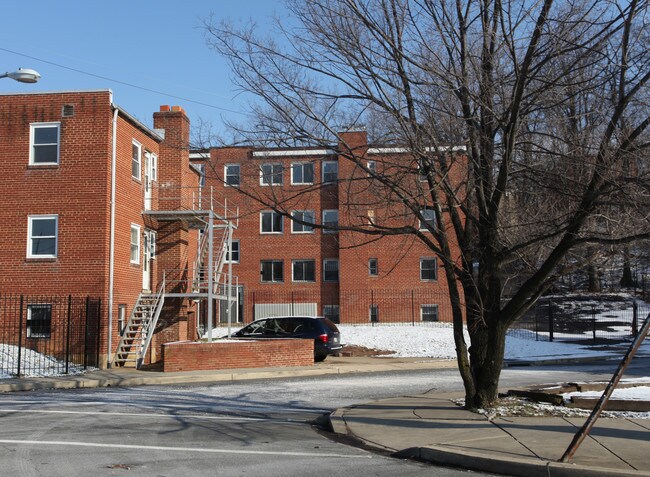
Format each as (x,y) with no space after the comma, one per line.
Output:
(486,356)
(627,280)
(593,279)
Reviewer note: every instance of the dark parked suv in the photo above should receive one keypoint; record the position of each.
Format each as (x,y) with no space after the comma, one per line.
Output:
(326,336)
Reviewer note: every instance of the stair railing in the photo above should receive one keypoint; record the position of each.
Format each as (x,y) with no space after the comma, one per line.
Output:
(152,322)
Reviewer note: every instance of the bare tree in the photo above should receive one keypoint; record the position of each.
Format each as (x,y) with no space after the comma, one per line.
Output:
(537,93)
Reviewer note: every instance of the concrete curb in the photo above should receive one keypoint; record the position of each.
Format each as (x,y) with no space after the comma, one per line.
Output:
(519,467)
(511,363)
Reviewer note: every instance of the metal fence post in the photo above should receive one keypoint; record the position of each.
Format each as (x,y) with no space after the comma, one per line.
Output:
(98,317)
(550,320)
(67,336)
(635,318)
(86,333)
(20,334)
(412,308)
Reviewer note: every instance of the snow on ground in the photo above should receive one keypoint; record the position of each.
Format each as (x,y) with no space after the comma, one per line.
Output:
(637,393)
(438,342)
(32,363)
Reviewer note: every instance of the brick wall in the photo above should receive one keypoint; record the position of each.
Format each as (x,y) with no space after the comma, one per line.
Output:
(398,256)
(193,356)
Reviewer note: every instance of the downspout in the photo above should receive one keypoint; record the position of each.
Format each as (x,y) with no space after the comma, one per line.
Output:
(111,258)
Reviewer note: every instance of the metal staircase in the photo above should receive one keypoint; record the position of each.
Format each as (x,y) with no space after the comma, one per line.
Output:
(139,330)
(200,282)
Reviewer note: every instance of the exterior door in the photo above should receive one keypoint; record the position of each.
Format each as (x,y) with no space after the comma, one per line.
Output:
(147,181)
(149,249)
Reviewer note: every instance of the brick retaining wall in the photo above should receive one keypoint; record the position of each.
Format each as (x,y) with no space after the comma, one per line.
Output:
(192,355)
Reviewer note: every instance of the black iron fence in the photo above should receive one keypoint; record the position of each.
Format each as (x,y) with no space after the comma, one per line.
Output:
(48,335)
(597,319)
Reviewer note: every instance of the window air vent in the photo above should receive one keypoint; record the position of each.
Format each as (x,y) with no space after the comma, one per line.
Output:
(68,110)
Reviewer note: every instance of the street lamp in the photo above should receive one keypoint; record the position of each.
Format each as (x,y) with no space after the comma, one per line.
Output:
(23,75)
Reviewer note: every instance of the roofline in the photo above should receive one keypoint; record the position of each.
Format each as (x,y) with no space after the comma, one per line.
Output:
(405,150)
(294,152)
(154,134)
(71,91)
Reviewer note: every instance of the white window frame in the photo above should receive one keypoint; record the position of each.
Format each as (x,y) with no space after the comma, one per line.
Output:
(293,270)
(32,136)
(325,222)
(324,165)
(30,307)
(268,180)
(227,173)
(271,232)
(304,229)
(30,238)
(429,305)
(435,269)
(138,146)
(273,262)
(338,270)
(237,251)
(301,165)
(431,213)
(372,167)
(138,248)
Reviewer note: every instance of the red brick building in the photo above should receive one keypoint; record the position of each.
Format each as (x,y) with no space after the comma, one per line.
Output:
(96,203)
(286,266)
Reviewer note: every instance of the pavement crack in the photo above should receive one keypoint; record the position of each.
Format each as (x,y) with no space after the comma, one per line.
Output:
(516,440)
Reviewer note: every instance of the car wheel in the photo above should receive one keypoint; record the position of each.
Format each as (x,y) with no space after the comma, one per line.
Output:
(319,357)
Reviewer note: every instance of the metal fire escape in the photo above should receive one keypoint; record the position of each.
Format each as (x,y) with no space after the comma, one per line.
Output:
(205,279)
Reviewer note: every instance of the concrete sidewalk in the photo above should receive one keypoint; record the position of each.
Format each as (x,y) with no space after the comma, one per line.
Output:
(132,377)
(432,427)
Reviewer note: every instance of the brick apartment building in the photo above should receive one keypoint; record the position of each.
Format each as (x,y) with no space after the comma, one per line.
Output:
(95,203)
(289,267)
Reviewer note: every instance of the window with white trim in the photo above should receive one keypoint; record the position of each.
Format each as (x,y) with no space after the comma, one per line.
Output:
(271,222)
(372,167)
(39,320)
(135,243)
(44,139)
(330,172)
(429,222)
(305,216)
(231,174)
(428,269)
(331,270)
(302,173)
(429,313)
(271,174)
(235,253)
(42,235)
(136,160)
(304,270)
(272,271)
